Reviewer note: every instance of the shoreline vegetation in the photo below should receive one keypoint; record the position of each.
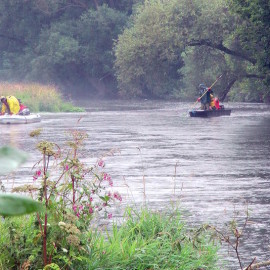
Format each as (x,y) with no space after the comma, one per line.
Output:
(38,97)
(146,239)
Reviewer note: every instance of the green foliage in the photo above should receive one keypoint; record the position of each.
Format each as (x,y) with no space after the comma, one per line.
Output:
(68,107)
(150,240)
(104,25)
(148,54)
(15,205)
(54,41)
(15,247)
(157,51)
(163,48)
(52,266)
(253,34)
(241,92)
(204,36)
(71,194)
(10,159)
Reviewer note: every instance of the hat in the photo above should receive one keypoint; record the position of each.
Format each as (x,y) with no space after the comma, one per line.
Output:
(202,85)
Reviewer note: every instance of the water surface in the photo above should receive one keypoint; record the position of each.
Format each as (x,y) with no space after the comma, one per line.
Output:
(211,166)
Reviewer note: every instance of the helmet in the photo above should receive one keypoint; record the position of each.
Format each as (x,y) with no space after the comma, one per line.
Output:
(202,86)
(2,98)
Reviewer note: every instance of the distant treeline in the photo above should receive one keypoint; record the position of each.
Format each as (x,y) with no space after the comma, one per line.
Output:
(139,48)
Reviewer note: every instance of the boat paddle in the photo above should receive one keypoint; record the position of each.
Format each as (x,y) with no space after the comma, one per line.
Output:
(205,92)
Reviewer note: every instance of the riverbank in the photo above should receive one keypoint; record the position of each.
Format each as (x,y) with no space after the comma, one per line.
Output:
(39,98)
(146,240)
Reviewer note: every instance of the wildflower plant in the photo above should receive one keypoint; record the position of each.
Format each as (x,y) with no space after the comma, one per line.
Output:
(72,194)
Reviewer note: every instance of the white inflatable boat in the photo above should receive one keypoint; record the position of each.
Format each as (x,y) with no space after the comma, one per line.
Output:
(19,119)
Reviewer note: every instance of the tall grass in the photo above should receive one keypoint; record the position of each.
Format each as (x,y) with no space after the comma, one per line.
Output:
(150,240)
(38,97)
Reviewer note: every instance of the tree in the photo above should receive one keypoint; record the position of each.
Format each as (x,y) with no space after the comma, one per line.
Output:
(65,42)
(253,34)
(201,37)
(148,54)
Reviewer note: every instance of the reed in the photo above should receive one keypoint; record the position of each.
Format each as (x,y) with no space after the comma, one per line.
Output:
(38,97)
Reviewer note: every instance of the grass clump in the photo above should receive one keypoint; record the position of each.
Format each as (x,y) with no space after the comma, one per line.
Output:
(39,98)
(146,240)
(151,240)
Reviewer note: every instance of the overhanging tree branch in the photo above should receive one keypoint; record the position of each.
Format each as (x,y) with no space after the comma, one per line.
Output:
(221,47)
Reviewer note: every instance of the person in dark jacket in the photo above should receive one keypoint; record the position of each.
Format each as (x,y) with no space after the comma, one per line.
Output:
(205,97)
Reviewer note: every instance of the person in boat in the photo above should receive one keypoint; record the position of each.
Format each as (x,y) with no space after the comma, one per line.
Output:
(216,103)
(24,110)
(212,102)
(10,105)
(205,98)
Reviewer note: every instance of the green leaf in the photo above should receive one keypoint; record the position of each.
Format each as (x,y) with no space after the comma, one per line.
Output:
(16,205)
(10,159)
(52,266)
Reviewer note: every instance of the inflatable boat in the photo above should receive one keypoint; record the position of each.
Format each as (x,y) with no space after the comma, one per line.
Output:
(19,119)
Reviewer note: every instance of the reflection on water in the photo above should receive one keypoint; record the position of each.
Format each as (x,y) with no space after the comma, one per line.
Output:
(212,166)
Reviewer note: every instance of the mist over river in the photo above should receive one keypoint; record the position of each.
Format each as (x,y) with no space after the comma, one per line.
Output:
(212,167)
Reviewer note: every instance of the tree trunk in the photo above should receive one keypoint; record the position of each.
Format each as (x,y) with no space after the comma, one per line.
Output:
(96,4)
(234,79)
(112,3)
(227,89)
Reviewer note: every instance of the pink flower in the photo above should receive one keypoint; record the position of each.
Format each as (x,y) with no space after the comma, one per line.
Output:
(101,163)
(110,183)
(78,214)
(66,167)
(108,178)
(90,199)
(117,196)
(91,210)
(81,207)
(74,207)
(110,216)
(36,175)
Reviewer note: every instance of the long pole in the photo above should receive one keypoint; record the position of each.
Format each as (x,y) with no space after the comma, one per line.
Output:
(206,91)
(215,81)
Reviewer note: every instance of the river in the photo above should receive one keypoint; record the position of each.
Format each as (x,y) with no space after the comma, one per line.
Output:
(213,167)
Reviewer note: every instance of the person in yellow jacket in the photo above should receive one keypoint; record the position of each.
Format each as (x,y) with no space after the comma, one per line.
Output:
(10,105)
(212,102)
